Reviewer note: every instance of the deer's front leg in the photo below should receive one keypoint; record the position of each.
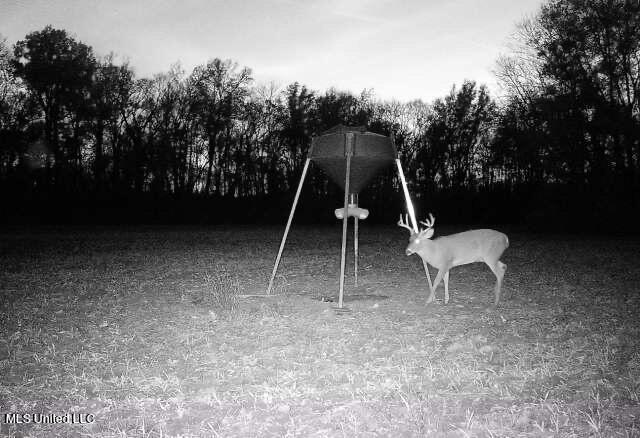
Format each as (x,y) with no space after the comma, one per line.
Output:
(436,282)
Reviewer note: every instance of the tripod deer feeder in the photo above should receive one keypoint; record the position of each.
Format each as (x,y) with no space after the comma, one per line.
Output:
(351,157)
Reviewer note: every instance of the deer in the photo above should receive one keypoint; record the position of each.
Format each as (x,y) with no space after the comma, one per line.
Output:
(457,249)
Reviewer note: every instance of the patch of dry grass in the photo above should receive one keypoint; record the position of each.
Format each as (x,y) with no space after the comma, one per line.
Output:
(219,291)
(156,333)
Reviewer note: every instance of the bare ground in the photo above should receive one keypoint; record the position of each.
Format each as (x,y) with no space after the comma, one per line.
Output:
(155,332)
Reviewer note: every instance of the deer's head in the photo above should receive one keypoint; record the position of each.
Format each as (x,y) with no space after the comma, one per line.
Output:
(417,240)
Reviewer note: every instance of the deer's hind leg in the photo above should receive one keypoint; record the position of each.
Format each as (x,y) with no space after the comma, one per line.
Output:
(446,287)
(498,268)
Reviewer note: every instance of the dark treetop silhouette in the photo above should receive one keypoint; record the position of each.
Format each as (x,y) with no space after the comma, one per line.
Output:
(82,139)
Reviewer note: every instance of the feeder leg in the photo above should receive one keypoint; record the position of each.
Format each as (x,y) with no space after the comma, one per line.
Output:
(412,214)
(286,230)
(355,248)
(344,229)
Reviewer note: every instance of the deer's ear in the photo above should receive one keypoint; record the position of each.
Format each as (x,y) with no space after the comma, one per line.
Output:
(428,233)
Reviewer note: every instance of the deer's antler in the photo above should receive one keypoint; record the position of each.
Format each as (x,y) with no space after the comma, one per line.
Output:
(405,223)
(429,222)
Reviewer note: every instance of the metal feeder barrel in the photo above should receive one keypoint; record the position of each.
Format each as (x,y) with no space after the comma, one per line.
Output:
(370,153)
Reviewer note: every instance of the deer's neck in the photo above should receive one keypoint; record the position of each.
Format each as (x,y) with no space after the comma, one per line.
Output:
(432,253)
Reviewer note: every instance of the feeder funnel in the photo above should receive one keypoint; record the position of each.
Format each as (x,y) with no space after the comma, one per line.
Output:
(369,154)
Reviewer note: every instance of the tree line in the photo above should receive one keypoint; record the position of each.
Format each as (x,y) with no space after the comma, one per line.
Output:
(82,137)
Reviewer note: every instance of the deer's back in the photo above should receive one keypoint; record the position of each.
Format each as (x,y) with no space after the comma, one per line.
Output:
(473,245)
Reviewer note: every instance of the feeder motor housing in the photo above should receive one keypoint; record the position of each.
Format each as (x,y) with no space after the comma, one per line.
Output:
(352,211)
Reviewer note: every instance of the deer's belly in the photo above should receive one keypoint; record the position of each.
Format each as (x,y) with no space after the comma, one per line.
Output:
(465,260)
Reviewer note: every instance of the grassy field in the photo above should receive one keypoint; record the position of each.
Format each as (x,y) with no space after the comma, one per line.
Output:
(155,332)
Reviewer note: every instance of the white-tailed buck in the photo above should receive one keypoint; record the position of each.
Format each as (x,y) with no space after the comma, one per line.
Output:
(458,249)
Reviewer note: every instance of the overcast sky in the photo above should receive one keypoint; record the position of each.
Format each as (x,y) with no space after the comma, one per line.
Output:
(411,49)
